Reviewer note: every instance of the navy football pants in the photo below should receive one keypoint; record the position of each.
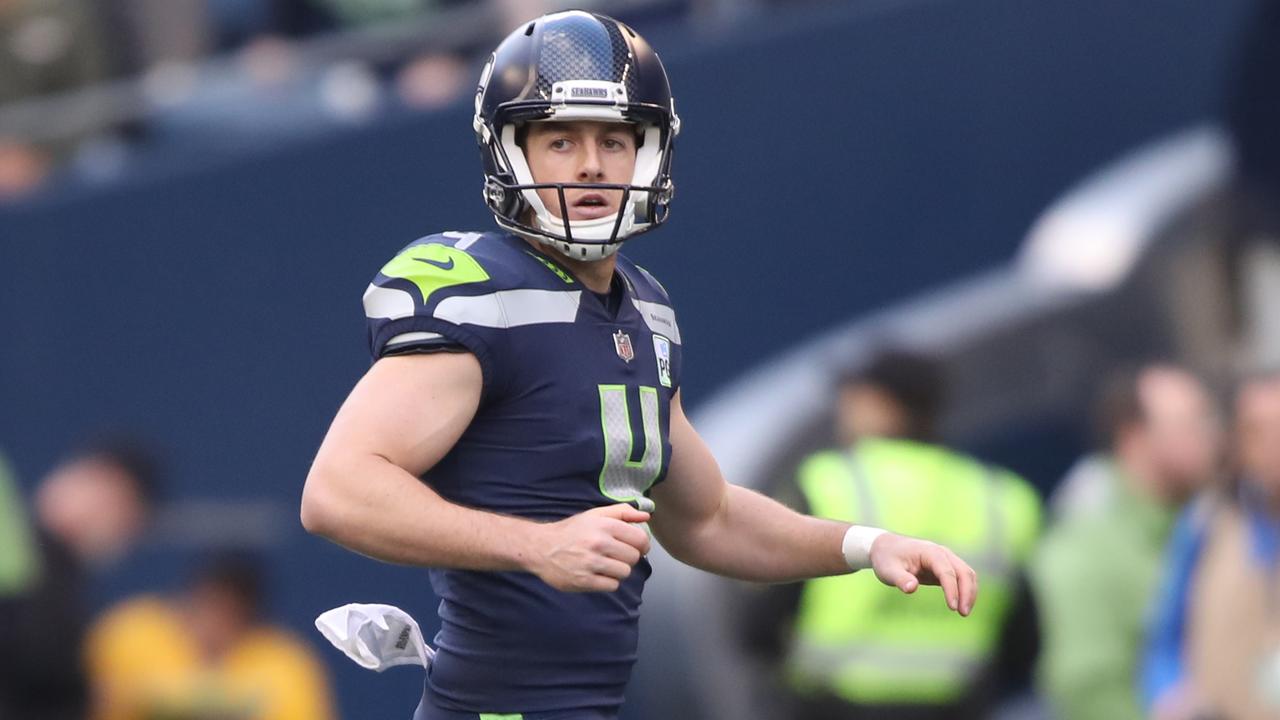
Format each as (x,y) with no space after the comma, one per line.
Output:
(428,710)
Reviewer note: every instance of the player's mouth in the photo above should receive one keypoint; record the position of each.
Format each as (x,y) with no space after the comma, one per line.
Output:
(591,206)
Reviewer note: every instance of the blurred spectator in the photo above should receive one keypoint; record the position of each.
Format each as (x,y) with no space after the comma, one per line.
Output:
(206,655)
(861,650)
(46,47)
(1095,573)
(367,12)
(18,560)
(165,31)
(1214,650)
(19,567)
(298,18)
(97,503)
(431,81)
(89,511)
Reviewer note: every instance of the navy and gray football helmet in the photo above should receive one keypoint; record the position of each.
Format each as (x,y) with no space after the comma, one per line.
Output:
(575,65)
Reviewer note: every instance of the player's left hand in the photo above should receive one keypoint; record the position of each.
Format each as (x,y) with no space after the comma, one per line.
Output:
(906,563)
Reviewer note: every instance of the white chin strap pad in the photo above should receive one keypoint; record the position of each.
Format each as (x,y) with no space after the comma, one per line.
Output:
(648,163)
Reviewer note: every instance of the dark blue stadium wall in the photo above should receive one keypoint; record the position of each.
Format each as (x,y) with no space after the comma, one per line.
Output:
(833,160)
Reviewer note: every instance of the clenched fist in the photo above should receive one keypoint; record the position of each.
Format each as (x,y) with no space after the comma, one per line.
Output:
(592,551)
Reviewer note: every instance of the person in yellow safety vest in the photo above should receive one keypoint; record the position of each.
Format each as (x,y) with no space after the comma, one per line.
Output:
(858,651)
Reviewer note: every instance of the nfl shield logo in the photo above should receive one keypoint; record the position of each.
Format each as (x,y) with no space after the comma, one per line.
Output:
(622,343)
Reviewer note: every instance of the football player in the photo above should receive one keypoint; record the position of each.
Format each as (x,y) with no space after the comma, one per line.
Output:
(520,430)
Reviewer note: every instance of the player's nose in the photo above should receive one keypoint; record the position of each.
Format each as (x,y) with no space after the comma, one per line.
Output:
(591,168)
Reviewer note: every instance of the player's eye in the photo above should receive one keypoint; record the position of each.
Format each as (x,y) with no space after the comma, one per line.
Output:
(559,143)
(614,144)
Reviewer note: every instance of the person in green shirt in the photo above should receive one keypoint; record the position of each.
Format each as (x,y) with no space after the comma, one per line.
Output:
(1096,570)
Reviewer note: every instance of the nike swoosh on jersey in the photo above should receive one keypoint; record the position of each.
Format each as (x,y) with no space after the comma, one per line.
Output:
(437,263)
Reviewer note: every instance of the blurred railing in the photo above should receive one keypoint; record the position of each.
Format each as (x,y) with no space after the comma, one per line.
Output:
(103,107)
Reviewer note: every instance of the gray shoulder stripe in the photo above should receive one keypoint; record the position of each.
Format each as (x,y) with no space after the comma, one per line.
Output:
(465,239)
(660,318)
(511,308)
(502,309)
(390,303)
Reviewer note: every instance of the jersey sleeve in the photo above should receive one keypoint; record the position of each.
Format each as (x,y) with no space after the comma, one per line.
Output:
(435,297)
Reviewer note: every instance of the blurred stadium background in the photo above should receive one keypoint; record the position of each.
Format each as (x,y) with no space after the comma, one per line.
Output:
(194,200)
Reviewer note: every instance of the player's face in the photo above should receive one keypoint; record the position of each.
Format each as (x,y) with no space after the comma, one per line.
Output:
(581,152)
(1258,434)
(94,506)
(867,411)
(1181,429)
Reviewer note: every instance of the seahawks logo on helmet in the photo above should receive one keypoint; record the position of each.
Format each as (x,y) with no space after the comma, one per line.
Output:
(575,66)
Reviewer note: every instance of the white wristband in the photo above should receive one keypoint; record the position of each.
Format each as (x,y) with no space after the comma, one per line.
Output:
(857,545)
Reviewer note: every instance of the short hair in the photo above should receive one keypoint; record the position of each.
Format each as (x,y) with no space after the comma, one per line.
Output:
(912,379)
(134,458)
(1118,405)
(237,572)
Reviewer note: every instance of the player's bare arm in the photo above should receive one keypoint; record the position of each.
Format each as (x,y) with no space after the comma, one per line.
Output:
(363,490)
(730,530)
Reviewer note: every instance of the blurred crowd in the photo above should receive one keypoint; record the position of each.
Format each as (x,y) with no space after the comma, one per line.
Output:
(205,652)
(1145,587)
(103,67)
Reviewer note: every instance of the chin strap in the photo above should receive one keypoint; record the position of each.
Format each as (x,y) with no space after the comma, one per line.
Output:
(588,252)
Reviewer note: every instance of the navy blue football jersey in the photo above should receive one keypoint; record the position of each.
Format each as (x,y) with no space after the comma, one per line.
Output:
(574,415)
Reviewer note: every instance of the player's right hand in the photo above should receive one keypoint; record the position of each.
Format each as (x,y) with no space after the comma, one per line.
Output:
(592,551)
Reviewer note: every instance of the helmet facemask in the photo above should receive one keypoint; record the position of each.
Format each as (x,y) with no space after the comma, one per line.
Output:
(641,199)
(511,192)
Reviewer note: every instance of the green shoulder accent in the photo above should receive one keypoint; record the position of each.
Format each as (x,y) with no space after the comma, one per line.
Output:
(434,267)
(568,279)
(493,716)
